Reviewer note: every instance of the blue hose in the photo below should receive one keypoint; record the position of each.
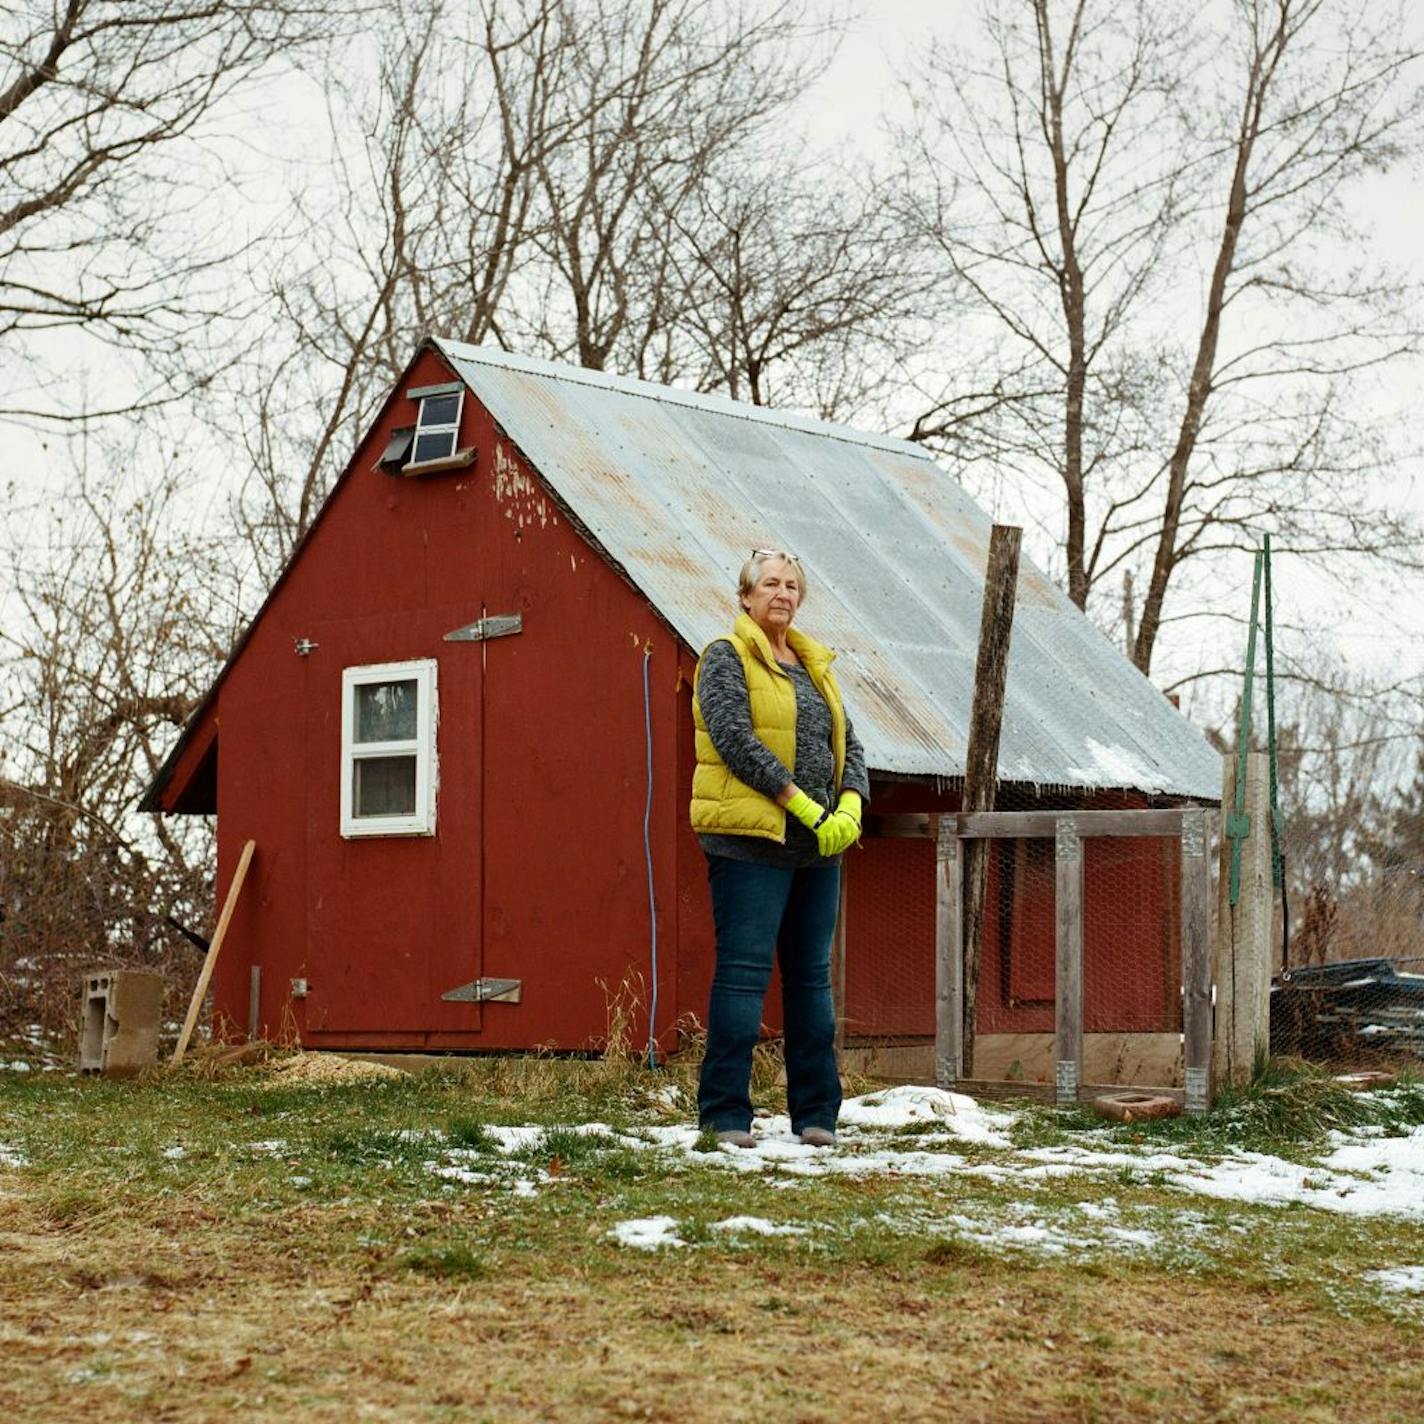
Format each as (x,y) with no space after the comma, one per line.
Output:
(648,855)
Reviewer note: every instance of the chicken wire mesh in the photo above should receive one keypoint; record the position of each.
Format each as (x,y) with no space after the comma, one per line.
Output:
(1131,961)
(1349,984)
(889,1000)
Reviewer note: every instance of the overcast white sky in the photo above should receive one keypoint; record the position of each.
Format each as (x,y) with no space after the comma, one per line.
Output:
(284,121)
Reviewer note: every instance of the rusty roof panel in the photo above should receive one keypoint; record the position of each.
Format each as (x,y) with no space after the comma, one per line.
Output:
(678,487)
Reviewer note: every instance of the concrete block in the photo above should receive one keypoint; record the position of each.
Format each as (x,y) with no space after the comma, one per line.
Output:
(120,1020)
(1134,1107)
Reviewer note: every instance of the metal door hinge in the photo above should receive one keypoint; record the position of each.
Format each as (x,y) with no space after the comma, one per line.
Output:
(499,626)
(485,991)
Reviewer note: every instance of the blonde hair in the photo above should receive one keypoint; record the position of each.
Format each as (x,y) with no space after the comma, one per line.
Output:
(751,571)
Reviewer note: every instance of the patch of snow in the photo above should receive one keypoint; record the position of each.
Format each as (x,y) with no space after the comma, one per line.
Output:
(300,1181)
(270,1146)
(12,1157)
(18,1066)
(1132,1237)
(459,1174)
(514,1139)
(1098,1210)
(1036,1234)
(648,1233)
(908,1105)
(1408,1279)
(1115,766)
(175,1153)
(1362,1173)
(1378,1176)
(1106,1160)
(758,1224)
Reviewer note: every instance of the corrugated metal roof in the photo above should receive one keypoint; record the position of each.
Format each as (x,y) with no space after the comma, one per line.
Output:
(677,487)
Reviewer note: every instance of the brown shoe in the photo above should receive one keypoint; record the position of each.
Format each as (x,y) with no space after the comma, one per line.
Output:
(736,1138)
(818,1137)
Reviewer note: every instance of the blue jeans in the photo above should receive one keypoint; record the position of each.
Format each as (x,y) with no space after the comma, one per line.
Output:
(759,910)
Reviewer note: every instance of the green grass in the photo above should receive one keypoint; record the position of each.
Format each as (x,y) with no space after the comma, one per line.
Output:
(447,1263)
(469,1133)
(1288,1110)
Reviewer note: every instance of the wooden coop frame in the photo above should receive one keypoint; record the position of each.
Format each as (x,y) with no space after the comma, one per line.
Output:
(1067,829)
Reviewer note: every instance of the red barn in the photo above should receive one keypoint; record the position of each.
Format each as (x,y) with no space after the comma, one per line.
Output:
(459,729)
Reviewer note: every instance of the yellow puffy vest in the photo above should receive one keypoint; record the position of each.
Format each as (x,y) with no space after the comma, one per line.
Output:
(723,805)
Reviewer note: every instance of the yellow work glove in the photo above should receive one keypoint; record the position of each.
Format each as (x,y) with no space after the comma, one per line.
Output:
(841,829)
(810,813)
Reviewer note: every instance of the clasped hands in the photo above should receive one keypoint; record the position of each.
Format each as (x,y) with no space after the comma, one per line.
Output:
(836,830)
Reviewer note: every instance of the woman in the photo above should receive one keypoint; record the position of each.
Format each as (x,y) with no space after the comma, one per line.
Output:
(775,754)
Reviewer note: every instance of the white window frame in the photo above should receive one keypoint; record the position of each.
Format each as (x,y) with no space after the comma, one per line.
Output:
(421,822)
(449,427)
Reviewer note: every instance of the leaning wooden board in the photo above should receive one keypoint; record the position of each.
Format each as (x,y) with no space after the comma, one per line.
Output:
(211,960)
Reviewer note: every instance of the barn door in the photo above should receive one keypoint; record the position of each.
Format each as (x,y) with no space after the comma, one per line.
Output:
(394,810)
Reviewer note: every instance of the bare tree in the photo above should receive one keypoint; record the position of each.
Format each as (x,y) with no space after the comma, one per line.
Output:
(792,285)
(1079,181)
(520,181)
(122,621)
(687,84)
(99,102)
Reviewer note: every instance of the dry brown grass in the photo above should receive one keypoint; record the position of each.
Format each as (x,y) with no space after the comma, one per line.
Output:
(241,1246)
(186,1318)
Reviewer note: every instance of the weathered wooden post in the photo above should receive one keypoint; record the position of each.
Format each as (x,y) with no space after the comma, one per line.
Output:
(1068,960)
(1243,930)
(1196,960)
(949,954)
(981,759)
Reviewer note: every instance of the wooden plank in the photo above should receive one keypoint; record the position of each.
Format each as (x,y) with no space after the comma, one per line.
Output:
(981,757)
(949,957)
(838,966)
(989,1088)
(1196,962)
(1044,1092)
(915,1063)
(254,1002)
(901,827)
(211,958)
(903,1062)
(1068,972)
(1008,825)
(1125,1060)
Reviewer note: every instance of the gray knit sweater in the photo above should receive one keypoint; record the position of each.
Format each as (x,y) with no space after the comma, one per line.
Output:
(722,695)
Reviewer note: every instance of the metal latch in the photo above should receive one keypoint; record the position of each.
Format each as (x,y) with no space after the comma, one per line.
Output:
(486,991)
(499,626)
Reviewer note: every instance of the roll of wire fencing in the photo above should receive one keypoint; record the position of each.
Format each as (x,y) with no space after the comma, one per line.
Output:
(1352,995)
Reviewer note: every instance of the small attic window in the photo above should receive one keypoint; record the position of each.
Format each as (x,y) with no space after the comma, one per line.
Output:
(437,428)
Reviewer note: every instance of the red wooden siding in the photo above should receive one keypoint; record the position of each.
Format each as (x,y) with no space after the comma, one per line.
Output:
(536,870)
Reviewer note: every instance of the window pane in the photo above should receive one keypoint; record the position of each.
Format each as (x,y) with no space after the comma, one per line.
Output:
(435,447)
(384,786)
(385,711)
(438,410)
